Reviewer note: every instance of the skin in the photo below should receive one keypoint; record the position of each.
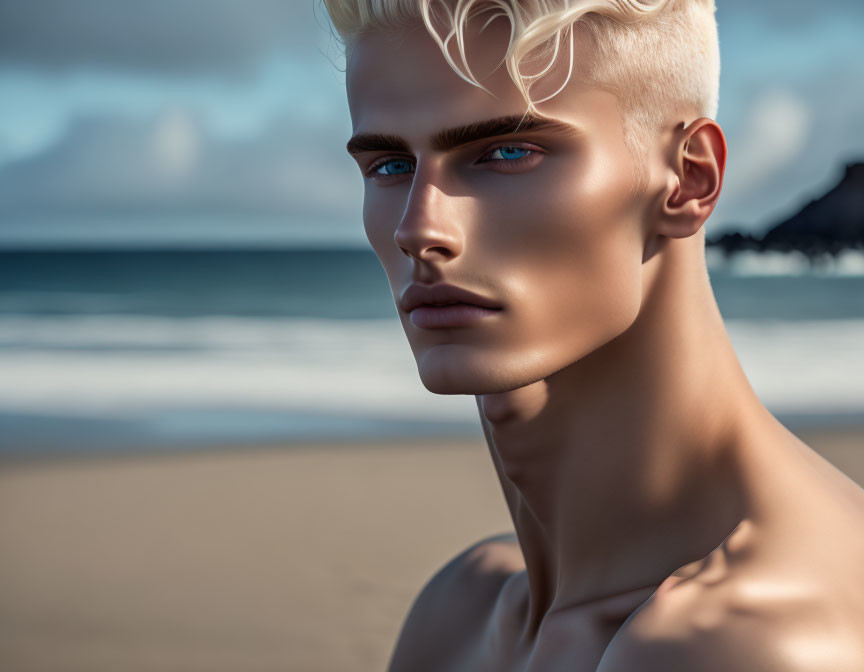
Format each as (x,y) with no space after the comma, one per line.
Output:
(664,519)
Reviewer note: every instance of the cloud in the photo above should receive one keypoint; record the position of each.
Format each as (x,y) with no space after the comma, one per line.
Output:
(778,128)
(169,164)
(165,36)
(176,144)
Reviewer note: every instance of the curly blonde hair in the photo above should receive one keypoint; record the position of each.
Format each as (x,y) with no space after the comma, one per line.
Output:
(656,56)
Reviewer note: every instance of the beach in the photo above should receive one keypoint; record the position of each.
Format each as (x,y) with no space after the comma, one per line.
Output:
(288,557)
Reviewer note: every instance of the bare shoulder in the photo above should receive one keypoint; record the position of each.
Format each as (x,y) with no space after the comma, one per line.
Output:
(724,641)
(729,613)
(455,603)
(736,643)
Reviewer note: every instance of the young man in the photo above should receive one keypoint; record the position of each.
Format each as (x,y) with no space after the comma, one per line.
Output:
(536,189)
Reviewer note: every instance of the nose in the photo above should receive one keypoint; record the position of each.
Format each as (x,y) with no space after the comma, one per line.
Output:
(430,227)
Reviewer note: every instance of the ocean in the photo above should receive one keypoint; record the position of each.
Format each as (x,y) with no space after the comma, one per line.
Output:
(129,350)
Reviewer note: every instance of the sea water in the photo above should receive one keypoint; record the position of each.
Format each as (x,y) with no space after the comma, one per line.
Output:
(119,350)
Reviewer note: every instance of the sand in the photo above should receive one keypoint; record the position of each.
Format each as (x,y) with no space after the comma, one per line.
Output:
(285,558)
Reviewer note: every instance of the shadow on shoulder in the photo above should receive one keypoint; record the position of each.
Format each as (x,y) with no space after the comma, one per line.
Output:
(456,603)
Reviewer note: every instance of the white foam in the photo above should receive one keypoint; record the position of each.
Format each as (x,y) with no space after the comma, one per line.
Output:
(287,335)
(357,367)
(748,263)
(803,367)
(111,366)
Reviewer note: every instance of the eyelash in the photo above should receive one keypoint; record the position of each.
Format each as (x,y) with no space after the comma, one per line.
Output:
(383,162)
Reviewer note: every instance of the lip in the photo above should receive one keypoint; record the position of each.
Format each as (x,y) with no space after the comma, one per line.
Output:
(444,306)
(448,317)
(442,294)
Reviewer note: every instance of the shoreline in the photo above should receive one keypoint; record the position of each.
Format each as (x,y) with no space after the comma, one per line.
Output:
(21,444)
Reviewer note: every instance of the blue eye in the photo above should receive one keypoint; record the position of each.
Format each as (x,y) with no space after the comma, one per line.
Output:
(505,154)
(510,153)
(394,167)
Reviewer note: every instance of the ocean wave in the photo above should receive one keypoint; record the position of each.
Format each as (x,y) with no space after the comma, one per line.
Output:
(146,332)
(848,263)
(101,367)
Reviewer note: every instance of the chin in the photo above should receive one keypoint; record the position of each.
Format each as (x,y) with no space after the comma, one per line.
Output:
(454,369)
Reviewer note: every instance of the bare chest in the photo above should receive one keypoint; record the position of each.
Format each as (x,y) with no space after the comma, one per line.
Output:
(564,644)
(569,640)
(788,606)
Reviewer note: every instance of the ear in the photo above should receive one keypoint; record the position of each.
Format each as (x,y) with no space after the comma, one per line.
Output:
(695,180)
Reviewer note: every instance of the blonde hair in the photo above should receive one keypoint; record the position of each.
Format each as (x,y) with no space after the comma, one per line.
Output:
(656,56)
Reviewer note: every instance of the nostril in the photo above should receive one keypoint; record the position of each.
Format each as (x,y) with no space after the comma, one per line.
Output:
(428,253)
(443,251)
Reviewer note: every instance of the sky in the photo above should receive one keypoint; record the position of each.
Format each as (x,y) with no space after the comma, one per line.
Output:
(224,122)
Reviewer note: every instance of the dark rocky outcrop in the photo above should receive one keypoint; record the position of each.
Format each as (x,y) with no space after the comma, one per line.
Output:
(826,225)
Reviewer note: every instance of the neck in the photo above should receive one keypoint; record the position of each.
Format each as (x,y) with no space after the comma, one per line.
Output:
(635,460)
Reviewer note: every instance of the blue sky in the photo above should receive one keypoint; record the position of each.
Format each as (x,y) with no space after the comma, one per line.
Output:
(220,122)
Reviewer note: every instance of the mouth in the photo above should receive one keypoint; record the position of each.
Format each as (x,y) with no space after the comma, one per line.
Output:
(442,306)
(450,315)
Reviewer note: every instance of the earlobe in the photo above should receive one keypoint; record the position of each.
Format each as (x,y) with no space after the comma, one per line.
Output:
(695,180)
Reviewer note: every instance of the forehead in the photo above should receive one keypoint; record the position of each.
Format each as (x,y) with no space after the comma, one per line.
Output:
(401,82)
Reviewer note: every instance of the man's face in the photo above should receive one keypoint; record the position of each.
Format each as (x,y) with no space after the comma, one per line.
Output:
(542,222)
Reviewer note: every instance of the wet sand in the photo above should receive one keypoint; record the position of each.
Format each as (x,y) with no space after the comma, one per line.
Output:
(301,557)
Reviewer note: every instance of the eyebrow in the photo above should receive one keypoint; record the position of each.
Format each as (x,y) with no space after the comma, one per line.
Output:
(450,138)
